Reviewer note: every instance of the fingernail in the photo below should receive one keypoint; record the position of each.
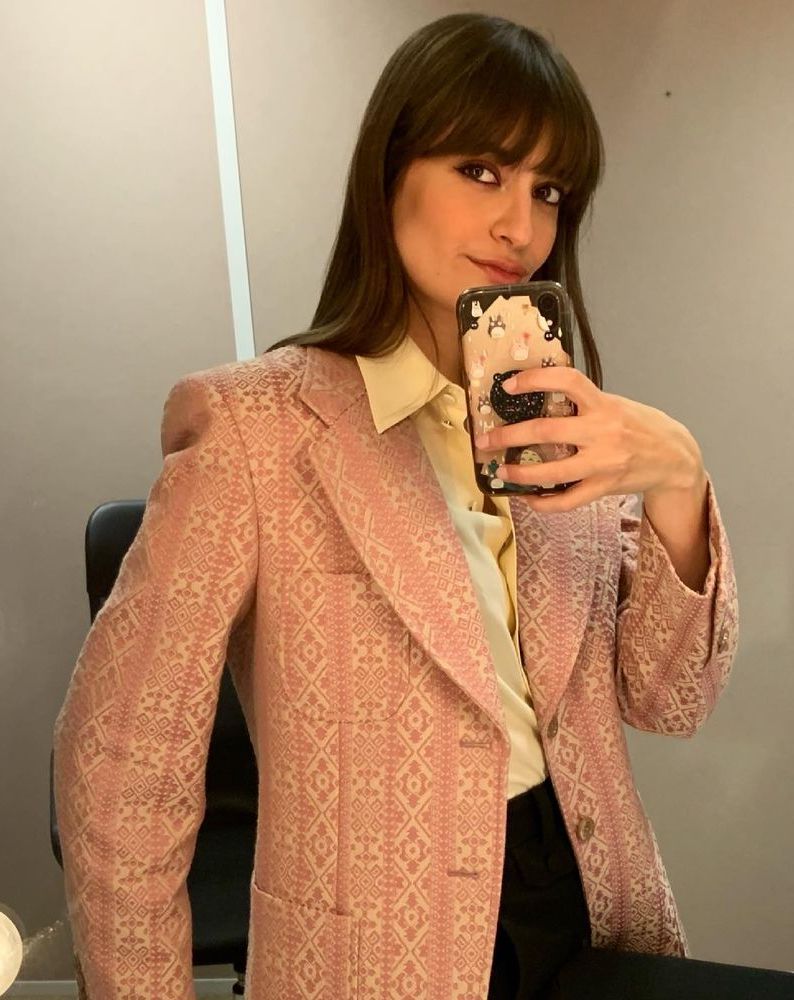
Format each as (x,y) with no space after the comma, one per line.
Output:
(481,440)
(509,384)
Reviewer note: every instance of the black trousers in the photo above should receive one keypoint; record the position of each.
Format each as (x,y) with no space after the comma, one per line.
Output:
(543,919)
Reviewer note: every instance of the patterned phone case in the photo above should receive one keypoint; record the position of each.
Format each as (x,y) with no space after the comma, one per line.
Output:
(505,329)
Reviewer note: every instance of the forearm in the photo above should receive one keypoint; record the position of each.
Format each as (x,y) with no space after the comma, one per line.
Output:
(679,516)
(676,635)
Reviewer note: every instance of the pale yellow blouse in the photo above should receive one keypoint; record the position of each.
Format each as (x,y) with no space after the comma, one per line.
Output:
(406,384)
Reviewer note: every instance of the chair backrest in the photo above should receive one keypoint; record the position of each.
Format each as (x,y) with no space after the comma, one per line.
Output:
(109,532)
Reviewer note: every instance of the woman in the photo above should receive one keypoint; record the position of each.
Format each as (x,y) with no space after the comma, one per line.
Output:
(435,683)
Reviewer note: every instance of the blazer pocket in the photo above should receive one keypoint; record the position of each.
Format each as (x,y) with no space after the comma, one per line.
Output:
(295,950)
(345,653)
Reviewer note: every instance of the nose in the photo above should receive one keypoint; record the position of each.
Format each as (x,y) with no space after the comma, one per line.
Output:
(514,223)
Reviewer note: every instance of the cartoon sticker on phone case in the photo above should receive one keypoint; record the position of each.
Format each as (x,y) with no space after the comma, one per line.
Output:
(489,470)
(526,456)
(496,327)
(519,348)
(477,369)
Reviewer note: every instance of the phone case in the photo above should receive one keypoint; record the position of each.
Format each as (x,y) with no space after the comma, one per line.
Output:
(505,329)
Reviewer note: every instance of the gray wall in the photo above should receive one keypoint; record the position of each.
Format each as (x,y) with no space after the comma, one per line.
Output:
(113,284)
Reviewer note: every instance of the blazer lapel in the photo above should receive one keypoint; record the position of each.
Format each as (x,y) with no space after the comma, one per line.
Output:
(386,495)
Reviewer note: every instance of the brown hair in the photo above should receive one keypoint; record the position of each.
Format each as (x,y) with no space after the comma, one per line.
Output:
(450,84)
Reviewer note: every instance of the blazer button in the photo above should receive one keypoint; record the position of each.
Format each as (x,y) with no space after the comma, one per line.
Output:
(585,828)
(552,728)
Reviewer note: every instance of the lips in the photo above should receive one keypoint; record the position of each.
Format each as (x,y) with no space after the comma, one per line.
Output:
(499,272)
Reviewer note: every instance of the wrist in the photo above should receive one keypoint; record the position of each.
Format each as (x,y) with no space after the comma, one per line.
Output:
(688,476)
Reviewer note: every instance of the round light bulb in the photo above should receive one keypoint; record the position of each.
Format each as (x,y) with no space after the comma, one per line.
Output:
(10,952)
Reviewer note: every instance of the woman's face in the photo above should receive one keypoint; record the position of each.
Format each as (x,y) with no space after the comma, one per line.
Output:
(458,221)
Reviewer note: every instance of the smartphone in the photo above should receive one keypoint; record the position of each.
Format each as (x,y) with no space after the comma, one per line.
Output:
(505,329)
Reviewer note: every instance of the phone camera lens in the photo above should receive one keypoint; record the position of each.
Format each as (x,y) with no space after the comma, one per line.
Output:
(549,308)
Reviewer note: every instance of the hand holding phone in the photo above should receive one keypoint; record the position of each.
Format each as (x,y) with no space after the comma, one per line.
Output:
(505,329)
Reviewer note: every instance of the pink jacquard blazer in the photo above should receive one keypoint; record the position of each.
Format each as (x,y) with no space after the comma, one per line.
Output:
(284,532)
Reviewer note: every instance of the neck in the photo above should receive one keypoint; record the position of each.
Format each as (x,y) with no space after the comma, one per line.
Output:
(446,335)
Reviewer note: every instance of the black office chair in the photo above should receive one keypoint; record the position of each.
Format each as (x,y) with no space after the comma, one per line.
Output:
(219,878)
(596,974)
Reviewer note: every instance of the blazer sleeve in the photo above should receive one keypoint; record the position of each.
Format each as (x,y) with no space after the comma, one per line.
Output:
(131,739)
(675,647)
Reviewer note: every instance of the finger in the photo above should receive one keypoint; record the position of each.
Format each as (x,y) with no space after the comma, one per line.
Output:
(565,470)
(575,496)
(541,430)
(561,378)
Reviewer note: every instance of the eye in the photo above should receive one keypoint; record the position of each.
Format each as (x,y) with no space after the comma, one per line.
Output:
(475,171)
(550,193)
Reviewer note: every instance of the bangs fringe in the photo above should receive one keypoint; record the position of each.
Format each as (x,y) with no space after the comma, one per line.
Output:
(504,104)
